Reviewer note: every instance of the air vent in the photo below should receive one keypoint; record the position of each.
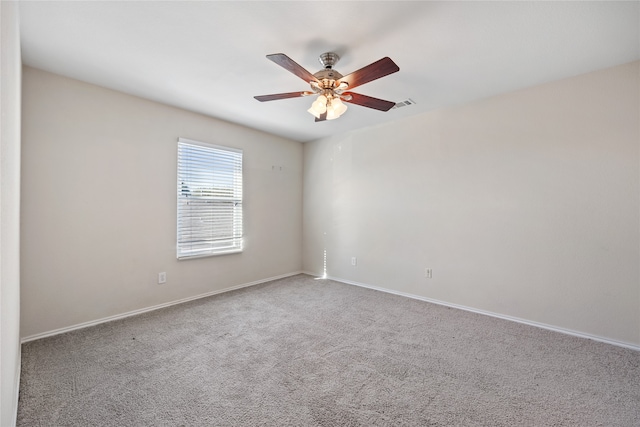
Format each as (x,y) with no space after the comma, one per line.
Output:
(404,103)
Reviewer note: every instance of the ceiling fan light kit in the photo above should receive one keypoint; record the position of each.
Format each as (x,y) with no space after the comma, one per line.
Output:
(333,107)
(331,86)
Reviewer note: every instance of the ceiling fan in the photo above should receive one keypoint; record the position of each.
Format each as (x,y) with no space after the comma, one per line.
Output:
(332,87)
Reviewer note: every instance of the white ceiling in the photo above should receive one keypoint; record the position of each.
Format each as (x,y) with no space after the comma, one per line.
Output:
(209,57)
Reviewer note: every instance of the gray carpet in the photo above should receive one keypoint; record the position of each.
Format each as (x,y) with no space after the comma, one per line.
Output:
(305,352)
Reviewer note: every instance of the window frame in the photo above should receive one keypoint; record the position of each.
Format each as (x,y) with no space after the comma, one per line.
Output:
(237,212)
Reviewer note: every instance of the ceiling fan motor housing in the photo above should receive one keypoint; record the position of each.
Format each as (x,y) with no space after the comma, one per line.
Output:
(328,78)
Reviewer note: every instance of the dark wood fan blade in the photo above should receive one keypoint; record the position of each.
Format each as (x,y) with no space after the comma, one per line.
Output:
(290,65)
(368,101)
(322,117)
(380,68)
(276,96)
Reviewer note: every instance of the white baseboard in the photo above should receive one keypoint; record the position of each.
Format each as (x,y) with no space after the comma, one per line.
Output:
(348,282)
(489,313)
(16,384)
(147,309)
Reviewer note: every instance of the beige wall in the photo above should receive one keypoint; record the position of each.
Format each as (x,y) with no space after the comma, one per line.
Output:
(10,76)
(524,205)
(99,204)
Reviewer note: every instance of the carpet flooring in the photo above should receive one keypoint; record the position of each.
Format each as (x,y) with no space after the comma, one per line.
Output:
(306,352)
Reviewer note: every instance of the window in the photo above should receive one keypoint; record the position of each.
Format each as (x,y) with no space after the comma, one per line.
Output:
(209,199)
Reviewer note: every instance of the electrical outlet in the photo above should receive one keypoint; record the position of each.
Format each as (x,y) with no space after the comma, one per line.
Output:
(354,260)
(162,278)
(428,273)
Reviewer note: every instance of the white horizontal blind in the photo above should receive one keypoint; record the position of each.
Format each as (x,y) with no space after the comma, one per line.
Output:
(209,199)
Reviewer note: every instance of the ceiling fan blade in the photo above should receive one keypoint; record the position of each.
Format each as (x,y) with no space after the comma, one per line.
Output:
(380,68)
(322,117)
(368,101)
(290,65)
(276,96)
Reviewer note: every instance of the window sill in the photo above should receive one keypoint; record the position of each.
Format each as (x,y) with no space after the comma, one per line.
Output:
(229,252)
